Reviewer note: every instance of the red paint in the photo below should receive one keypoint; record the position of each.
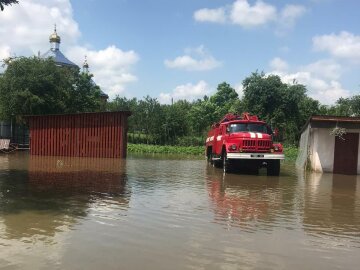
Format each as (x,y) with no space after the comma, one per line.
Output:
(83,135)
(243,141)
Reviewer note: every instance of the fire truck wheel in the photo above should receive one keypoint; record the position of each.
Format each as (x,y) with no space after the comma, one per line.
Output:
(273,168)
(226,163)
(214,162)
(210,158)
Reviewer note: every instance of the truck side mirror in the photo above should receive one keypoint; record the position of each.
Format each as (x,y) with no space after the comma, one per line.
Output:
(227,129)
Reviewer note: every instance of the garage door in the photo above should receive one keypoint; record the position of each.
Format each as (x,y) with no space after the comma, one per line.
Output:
(346,154)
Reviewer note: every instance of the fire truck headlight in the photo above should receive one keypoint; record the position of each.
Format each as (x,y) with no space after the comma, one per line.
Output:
(232,147)
(276,148)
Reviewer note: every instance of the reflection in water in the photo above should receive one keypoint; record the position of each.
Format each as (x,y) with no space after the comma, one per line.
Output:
(43,198)
(77,175)
(156,212)
(332,204)
(239,201)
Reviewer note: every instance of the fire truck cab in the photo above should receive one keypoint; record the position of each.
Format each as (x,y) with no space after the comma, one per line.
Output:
(243,142)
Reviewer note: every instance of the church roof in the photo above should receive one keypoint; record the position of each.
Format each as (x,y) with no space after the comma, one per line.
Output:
(55,52)
(102,94)
(61,60)
(58,57)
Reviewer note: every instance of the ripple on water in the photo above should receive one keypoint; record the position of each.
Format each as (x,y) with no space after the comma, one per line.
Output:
(160,213)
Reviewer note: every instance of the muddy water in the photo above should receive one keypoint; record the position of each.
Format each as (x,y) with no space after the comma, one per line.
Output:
(166,212)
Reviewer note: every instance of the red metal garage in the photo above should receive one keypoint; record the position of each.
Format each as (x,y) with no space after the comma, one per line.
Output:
(101,134)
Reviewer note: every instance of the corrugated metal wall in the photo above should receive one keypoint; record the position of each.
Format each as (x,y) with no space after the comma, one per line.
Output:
(79,135)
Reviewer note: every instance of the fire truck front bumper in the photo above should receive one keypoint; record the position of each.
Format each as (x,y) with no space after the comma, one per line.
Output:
(255,156)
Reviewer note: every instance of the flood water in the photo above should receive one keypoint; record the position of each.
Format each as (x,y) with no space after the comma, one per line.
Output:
(167,212)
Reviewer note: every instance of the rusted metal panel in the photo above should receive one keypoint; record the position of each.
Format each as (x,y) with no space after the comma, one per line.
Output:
(79,135)
(346,154)
(331,121)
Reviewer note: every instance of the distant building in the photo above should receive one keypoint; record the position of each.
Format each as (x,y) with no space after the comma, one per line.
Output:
(61,60)
(55,53)
(104,97)
(330,144)
(19,134)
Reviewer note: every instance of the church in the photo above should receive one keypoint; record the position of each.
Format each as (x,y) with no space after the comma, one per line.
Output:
(20,134)
(62,61)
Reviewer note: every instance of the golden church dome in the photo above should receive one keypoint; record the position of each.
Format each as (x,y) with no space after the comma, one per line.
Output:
(54,37)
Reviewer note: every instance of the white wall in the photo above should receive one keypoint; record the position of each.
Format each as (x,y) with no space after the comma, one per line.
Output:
(322,146)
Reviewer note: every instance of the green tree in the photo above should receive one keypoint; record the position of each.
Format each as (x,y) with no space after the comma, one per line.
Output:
(175,123)
(84,95)
(262,95)
(224,99)
(201,115)
(348,106)
(37,86)
(151,114)
(134,121)
(6,3)
(284,106)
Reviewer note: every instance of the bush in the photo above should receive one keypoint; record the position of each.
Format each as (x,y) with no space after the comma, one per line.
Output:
(190,141)
(165,149)
(290,151)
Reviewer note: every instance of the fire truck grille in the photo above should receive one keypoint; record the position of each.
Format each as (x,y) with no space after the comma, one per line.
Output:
(256,145)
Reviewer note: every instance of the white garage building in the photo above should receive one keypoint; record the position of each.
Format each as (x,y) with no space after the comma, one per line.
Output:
(330,144)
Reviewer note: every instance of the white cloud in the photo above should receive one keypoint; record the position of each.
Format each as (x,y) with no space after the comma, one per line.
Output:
(210,15)
(25,27)
(25,30)
(278,64)
(326,69)
(344,45)
(326,91)
(288,16)
(197,59)
(111,66)
(244,14)
(4,51)
(186,91)
(291,12)
(321,78)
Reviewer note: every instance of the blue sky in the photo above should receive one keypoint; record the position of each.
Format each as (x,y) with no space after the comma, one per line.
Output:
(184,49)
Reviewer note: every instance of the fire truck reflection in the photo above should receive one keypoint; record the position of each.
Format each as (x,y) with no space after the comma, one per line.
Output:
(239,200)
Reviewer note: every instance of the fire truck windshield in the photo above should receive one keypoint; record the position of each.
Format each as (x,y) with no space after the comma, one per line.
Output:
(251,127)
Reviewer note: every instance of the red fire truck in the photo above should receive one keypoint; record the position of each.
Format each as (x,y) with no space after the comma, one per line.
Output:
(243,142)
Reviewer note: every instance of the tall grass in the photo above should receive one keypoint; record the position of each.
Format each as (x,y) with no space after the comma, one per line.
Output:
(165,149)
(290,151)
